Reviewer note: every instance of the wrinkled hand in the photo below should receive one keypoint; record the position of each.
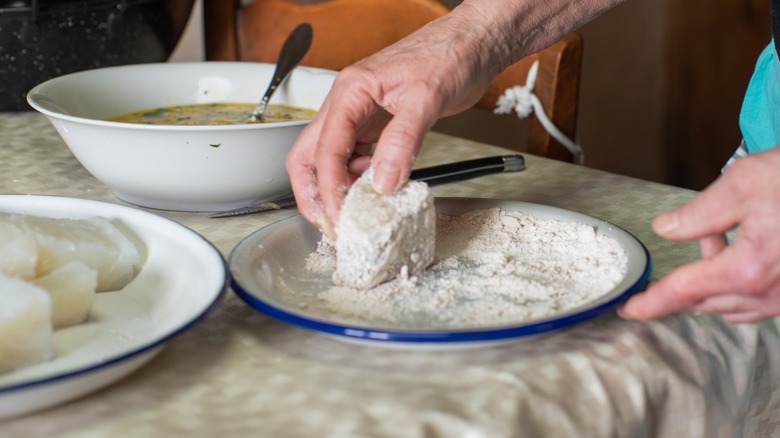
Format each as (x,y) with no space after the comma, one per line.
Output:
(392,99)
(740,281)
(395,96)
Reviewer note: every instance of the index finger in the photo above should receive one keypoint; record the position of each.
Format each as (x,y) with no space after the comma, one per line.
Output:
(303,177)
(715,210)
(334,149)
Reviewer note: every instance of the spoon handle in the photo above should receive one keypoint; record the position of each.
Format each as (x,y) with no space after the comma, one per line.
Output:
(293,50)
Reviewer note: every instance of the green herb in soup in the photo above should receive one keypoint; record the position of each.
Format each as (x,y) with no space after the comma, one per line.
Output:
(213,114)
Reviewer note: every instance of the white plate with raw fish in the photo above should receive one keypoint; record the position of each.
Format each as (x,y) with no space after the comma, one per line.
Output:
(177,277)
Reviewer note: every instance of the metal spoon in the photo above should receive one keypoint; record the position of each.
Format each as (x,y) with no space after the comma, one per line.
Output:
(293,50)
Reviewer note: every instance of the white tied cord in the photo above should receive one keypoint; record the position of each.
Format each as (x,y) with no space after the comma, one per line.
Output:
(523,100)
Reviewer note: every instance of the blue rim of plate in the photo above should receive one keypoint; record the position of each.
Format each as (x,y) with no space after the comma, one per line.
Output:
(465,335)
(143,348)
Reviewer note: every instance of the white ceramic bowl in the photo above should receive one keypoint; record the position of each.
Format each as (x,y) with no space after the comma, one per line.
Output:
(186,168)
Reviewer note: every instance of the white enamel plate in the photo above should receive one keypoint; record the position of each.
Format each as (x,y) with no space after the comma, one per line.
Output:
(182,278)
(268,270)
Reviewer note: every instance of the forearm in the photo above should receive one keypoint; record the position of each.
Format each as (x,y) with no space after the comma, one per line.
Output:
(504,31)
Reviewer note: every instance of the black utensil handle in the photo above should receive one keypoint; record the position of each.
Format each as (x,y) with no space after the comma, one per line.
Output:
(434,175)
(463,170)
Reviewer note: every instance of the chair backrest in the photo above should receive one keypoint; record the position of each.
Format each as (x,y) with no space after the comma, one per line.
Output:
(346,31)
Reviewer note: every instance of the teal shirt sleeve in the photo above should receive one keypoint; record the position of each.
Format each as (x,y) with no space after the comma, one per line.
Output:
(759,119)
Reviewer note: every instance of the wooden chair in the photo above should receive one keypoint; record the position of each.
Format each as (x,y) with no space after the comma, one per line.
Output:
(346,31)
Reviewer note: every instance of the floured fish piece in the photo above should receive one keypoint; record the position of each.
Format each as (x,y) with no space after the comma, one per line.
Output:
(381,237)
(25,325)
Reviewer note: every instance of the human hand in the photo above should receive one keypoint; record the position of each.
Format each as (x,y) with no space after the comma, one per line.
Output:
(740,281)
(392,99)
(395,96)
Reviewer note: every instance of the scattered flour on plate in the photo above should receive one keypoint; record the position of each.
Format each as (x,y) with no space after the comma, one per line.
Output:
(491,267)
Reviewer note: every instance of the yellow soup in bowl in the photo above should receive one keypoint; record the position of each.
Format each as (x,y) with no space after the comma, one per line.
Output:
(221,113)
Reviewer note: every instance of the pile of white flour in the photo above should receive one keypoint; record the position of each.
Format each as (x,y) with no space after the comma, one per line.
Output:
(491,267)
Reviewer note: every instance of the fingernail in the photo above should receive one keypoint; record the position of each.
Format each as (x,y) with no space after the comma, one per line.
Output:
(328,231)
(386,177)
(622,313)
(323,223)
(666,222)
(327,228)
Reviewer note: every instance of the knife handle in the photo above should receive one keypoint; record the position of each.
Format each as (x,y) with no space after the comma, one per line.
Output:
(434,175)
(464,170)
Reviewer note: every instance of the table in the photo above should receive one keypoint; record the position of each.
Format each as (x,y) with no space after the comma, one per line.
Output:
(241,373)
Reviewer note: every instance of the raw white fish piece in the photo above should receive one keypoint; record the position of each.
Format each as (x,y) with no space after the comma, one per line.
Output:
(72,291)
(18,252)
(96,242)
(25,324)
(381,237)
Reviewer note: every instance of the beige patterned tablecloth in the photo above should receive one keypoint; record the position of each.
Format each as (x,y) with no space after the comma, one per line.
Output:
(240,373)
